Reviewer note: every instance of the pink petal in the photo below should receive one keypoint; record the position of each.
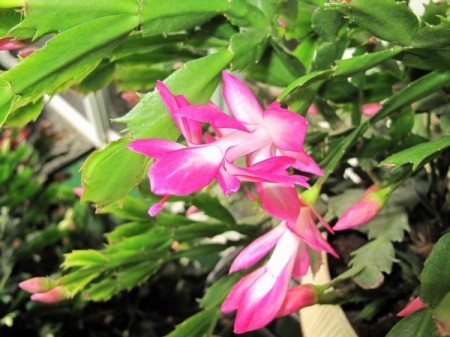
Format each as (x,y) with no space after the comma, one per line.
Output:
(306,229)
(370,109)
(8,43)
(228,183)
(358,214)
(257,249)
(54,295)
(413,306)
(210,114)
(263,298)
(234,297)
(154,148)
(279,200)
(156,208)
(304,162)
(297,298)
(36,285)
(191,130)
(277,164)
(241,101)
(322,221)
(185,171)
(302,260)
(287,129)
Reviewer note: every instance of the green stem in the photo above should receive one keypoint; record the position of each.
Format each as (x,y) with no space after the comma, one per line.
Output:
(11,3)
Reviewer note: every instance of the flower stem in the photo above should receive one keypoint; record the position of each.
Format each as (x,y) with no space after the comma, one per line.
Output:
(11,3)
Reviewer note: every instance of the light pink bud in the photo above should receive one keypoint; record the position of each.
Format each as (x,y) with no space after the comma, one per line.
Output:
(8,43)
(282,23)
(370,109)
(413,306)
(131,97)
(365,209)
(25,52)
(192,210)
(55,295)
(297,298)
(312,110)
(78,191)
(37,285)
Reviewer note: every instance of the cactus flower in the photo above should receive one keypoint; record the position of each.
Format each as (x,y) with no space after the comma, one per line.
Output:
(37,285)
(57,294)
(365,209)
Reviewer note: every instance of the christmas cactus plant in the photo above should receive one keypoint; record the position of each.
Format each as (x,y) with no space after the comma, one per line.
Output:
(329,117)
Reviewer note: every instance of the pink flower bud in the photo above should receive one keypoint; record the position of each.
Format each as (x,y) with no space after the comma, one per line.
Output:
(297,298)
(365,209)
(312,110)
(413,306)
(8,43)
(25,52)
(37,285)
(192,210)
(131,97)
(370,109)
(78,191)
(54,295)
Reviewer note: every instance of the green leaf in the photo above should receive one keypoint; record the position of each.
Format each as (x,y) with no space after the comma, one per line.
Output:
(130,208)
(25,114)
(199,325)
(127,230)
(386,19)
(418,324)
(149,119)
(84,258)
(376,257)
(77,280)
(8,19)
(212,207)
(157,239)
(104,180)
(390,224)
(217,293)
(441,314)
(433,10)
(61,62)
(417,155)
(103,290)
(44,16)
(436,273)
(173,15)
(402,124)
(100,78)
(305,81)
(134,275)
(433,37)
(243,13)
(327,22)
(248,47)
(354,65)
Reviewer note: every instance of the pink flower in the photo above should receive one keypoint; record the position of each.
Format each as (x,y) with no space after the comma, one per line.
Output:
(78,191)
(131,97)
(264,294)
(370,109)
(25,52)
(297,298)
(413,306)
(9,43)
(37,285)
(57,294)
(312,110)
(181,170)
(365,209)
(259,296)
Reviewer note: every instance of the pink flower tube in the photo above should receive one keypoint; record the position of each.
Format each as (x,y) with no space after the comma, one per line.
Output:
(365,209)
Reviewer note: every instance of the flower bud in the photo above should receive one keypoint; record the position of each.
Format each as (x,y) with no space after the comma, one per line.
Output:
(297,298)
(131,97)
(78,191)
(25,52)
(365,209)
(312,110)
(54,295)
(370,109)
(37,285)
(413,306)
(8,43)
